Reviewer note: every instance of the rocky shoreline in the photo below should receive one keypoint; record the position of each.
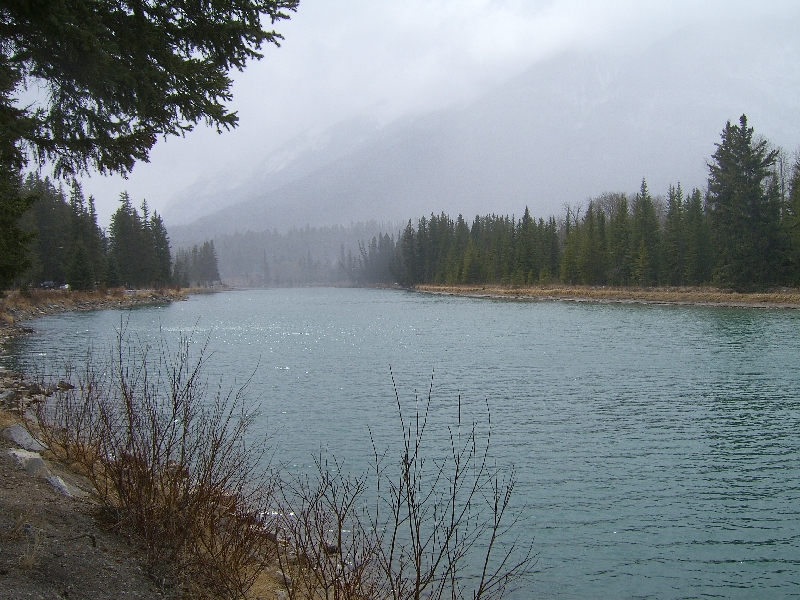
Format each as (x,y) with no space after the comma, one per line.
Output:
(51,543)
(17,308)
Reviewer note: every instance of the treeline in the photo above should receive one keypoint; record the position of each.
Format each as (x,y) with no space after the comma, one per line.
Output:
(299,256)
(196,267)
(742,232)
(67,246)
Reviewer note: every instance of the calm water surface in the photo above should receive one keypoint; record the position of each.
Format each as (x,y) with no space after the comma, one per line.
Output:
(657,447)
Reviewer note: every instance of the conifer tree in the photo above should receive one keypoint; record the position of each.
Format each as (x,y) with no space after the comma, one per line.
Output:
(87,244)
(793,224)
(181,273)
(592,253)
(80,275)
(644,239)
(162,259)
(569,259)
(126,244)
(50,220)
(744,205)
(551,250)
(619,242)
(697,242)
(15,125)
(674,243)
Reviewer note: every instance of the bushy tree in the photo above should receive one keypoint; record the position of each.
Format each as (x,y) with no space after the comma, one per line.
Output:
(116,75)
(744,206)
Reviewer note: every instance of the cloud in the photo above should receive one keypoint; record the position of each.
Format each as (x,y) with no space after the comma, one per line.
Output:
(386,59)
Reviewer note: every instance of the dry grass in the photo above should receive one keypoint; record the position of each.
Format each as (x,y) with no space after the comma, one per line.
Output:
(34,302)
(8,418)
(166,457)
(785,297)
(24,528)
(168,464)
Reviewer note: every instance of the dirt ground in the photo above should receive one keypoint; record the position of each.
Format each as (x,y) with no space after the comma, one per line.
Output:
(52,547)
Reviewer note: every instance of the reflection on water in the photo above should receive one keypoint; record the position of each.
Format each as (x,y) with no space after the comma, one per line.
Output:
(656,446)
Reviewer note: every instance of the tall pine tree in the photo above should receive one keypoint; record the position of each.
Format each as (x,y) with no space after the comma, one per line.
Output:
(744,203)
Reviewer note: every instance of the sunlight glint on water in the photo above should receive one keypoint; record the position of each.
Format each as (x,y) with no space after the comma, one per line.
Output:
(657,447)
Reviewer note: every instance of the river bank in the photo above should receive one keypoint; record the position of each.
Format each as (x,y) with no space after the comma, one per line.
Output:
(17,307)
(691,296)
(52,544)
(55,541)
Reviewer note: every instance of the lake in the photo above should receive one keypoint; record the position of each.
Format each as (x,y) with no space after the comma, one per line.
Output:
(657,448)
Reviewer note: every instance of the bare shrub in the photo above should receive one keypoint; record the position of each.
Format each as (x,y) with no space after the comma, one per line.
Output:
(167,458)
(440,527)
(326,548)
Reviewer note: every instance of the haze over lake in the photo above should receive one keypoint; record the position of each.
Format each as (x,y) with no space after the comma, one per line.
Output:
(656,447)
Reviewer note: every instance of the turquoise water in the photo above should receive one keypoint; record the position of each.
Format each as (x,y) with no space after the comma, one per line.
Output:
(657,448)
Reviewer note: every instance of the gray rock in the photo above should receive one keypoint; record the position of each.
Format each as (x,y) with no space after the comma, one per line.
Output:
(31,462)
(7,396)
(22,438)
(59,485)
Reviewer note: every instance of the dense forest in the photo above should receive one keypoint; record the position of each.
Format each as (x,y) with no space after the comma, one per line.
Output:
(327,255)
(68,247)
(196,267)
(743,232)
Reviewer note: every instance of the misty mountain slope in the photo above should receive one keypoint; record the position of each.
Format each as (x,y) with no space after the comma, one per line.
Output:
(294,160)
(564,130)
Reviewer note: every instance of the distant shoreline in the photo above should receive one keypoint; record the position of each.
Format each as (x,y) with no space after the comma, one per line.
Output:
(689,296)
(16,307)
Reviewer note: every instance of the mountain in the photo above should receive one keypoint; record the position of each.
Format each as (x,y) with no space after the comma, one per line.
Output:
(566,129)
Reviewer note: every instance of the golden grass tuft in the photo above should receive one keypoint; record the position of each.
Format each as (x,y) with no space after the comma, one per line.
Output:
(785,297)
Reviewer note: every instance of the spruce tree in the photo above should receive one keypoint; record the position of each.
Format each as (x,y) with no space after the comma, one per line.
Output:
(569,259)
(162,259)
(619,242)
(50,219)
(644,239)
(674,242)
(126,245)
(80,275)
(792,224)
(592,253)
(697,242)
(744,204)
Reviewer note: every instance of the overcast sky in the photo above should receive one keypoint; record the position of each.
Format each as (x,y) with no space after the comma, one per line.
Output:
(390,58)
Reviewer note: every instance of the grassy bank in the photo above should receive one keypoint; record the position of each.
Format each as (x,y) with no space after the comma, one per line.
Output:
(700,296)
(17,306)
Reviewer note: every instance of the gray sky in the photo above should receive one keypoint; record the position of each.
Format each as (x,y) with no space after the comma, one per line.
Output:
(391,58)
